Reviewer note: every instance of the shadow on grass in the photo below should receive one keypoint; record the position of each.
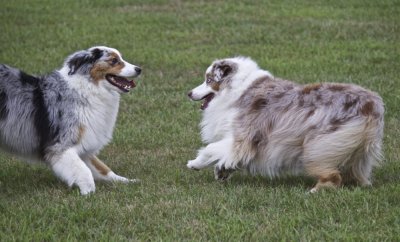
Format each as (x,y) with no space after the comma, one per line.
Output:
(21,178)
(260,181)
(239,179)
(381,177)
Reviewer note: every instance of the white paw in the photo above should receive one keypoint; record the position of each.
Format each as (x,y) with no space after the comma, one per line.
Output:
(314,190)
(87,187)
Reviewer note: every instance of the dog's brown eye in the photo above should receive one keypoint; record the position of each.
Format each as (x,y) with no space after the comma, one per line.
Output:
(114,61)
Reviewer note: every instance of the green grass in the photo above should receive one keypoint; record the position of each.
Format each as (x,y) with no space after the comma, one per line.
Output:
(157,129)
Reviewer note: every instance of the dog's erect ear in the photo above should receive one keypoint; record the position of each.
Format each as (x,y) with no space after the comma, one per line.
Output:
(223,69)
(83,61)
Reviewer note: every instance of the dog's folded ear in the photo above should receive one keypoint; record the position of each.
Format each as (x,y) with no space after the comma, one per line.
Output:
(82,61)
(223,68)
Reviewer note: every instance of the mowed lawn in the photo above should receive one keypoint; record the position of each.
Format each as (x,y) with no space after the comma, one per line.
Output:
(157,128)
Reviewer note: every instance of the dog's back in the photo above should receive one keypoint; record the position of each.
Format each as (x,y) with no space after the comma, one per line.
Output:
(317,128)
(16,105)
(31,109)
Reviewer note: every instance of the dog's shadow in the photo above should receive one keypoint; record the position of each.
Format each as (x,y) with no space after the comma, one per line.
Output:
(279,182)
(240,179)
(22,178)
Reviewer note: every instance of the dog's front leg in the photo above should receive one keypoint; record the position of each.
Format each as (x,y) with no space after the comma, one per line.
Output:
(203,159)
(210,154)
(102,172)
(71,169)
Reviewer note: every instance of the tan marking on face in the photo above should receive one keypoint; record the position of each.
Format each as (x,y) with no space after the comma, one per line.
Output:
(100,166)
(215,86)
(311,87)
(99,71)
(210,80)
(104,67)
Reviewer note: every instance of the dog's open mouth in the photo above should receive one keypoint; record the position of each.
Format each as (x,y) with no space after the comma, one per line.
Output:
(122,83)
(207,99)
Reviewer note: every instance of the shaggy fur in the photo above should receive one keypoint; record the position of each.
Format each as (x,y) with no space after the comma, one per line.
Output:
(273,127)
(66,117)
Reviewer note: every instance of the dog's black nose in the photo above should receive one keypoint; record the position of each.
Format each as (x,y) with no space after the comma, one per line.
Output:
(138,70)
(190,94)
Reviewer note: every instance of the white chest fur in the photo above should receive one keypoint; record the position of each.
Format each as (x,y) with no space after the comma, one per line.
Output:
(98,120)
(217,118)
(97,114)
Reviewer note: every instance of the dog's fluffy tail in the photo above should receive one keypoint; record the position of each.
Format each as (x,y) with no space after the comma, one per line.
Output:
(371,151)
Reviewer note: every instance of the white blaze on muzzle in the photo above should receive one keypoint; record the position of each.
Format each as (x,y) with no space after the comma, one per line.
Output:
(129,70)
(201,91)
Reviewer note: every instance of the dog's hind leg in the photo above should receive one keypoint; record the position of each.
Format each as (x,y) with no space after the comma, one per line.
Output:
(324,166)
(210,154)
(102,172)
(69,167)
(330,180)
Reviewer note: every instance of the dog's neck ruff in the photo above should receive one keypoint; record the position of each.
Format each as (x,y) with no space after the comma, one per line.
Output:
(98,110)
